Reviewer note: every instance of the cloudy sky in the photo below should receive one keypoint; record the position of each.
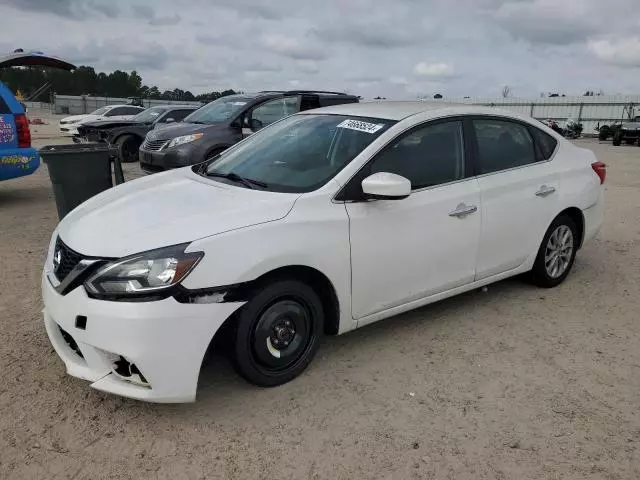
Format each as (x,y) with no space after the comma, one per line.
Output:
(398,49)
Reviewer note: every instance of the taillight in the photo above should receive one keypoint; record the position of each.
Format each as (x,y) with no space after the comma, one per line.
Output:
(601,170)
(24,134)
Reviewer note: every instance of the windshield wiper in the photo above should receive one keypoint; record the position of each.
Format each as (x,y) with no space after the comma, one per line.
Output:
(234,177)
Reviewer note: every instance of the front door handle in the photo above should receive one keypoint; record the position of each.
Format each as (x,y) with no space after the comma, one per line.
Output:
(463,210)
(543,191)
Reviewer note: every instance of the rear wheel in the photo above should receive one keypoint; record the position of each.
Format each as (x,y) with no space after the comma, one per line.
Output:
(277,333)
(557,253)
(617,138)
(128,146)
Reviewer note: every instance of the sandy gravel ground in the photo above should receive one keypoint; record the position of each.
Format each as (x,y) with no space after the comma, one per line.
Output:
(512,383)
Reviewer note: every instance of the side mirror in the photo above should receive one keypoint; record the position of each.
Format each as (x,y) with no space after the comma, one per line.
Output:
(169,120)
(386,186)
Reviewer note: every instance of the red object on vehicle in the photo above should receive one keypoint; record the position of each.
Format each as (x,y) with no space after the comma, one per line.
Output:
(601,170)
(24,134)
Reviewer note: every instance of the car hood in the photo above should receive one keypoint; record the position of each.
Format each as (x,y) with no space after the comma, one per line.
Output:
(631,126)
(109,123)
(166,209)
(176,130)
(76,118)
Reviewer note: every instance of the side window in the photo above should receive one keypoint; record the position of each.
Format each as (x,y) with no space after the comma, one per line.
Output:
(115,111)
(546,143)
(502,145)
(430,155)
(131,110)
(177,115)
(273,110)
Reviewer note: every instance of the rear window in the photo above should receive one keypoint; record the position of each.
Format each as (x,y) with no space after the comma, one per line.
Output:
(545,142)
(4,108)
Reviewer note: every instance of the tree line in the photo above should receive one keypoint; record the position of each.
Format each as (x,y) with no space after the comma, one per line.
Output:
(86,81)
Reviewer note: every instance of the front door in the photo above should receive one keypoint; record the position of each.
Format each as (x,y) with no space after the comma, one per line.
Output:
(404,250)
(519,193)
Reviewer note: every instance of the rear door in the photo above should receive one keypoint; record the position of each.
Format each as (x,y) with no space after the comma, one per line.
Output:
(519,190)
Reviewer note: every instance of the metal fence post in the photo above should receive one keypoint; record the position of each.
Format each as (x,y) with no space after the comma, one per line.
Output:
(580,112)
(531,111)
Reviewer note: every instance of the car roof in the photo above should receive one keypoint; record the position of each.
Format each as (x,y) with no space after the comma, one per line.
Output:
(395,110)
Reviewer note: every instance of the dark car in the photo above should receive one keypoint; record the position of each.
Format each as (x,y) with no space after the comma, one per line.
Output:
(128,135)
(224,122)
(628,132)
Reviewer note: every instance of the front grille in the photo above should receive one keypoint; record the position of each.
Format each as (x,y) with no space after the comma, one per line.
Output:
(64,260)
(153,145)
(70,341)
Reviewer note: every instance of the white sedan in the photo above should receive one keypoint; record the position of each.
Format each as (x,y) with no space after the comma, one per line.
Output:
(69,125)
(321,223)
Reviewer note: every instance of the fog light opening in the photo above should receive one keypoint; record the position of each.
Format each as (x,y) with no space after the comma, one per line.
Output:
(129,372)
(71,343)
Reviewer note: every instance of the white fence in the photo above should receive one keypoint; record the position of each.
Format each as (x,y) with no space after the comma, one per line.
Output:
(590,111)
(77,105)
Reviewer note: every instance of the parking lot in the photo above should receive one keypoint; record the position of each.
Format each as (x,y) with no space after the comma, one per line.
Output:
(509,383)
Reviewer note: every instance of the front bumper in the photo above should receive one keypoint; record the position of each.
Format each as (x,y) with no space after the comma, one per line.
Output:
(165,340)
(177,157)
(69,129)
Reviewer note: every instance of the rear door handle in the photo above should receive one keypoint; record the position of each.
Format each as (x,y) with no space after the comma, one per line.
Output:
(463,210)
(543,191)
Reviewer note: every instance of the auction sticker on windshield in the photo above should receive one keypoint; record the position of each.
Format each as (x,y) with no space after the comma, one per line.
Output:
(360,126)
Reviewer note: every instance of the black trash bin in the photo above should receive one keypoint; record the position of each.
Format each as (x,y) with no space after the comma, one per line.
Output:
(80,171)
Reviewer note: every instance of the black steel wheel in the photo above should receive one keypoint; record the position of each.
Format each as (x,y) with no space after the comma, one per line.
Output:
(128,146)
(277,333)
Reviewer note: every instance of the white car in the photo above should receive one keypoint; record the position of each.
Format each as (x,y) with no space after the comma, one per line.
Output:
(69,125)
(321,223)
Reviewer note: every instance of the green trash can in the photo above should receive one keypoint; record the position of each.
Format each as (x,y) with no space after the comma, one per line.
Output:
(79,171)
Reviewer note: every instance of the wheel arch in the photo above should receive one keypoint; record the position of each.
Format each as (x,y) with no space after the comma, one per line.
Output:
(119,135)
(575,214)
(308,275)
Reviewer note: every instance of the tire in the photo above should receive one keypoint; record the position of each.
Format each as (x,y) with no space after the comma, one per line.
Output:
(617,139)
(604,133)
(128,146)
(543,273)
(277,332)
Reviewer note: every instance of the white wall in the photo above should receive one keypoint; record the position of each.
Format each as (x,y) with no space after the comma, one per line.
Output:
(590,111)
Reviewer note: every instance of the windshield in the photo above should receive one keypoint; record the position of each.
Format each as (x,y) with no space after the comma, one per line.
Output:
(218,111)
(300,153)
(100,111)
(149,115)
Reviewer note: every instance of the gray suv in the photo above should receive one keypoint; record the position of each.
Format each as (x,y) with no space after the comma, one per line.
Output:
(224,122)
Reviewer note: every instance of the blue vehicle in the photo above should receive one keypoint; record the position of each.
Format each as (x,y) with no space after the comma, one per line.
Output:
(17,157)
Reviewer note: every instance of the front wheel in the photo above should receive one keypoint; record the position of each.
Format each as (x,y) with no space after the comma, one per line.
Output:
(557,253)
(128,146)
(277,333)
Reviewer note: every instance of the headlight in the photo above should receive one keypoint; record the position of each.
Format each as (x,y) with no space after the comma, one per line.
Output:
(184,139)
(147,272)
